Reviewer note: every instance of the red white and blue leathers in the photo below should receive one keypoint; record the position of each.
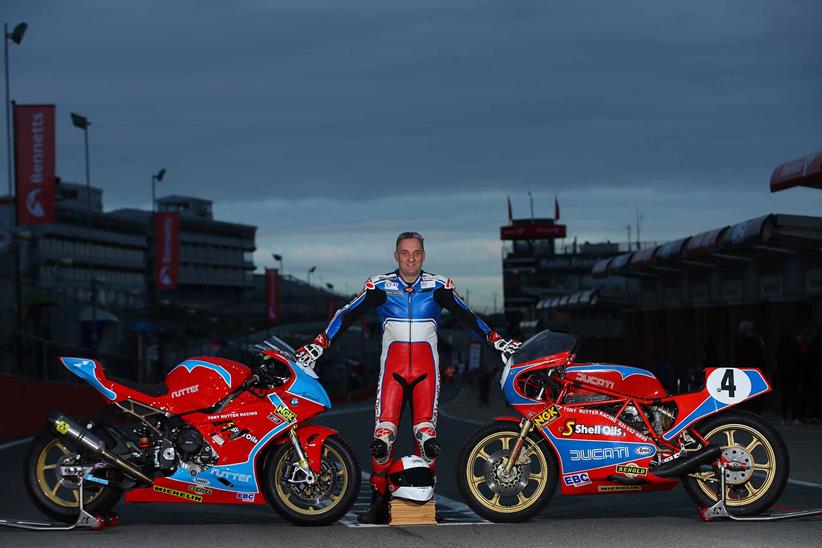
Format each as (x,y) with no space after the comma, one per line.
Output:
(409,364)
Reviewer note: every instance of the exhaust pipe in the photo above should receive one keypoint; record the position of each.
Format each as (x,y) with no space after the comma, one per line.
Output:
(84,439)
(687,464)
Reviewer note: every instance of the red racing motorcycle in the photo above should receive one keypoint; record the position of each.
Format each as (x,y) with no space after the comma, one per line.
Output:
(215,432)
(601,428)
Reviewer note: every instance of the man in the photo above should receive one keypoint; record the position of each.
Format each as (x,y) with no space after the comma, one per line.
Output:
(409,302)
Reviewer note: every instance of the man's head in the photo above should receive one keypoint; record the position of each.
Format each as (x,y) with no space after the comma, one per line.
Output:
(410,254)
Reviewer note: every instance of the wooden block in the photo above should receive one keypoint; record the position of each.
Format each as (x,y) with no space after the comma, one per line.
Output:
(409,512)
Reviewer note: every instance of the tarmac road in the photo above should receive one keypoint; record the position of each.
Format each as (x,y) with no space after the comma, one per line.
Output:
(612,520)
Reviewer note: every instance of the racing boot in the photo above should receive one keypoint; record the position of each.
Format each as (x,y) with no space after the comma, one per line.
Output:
(377,513)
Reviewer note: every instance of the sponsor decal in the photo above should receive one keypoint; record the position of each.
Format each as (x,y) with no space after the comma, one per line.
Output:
(643,450)
(217,439)
(286,413)
(175,493)
(232,415)
(599,453)
(394,292)
(631,470)
(572,428)
(577,480)
(246,497)
(547,417)
(199,490)
(295,401)
(251,438)
(201,481)
(409,289)
(231,476)
(596,381)
(62,427)
(428,284)
(274,418)
(391,285)
(617,488)
(186,391)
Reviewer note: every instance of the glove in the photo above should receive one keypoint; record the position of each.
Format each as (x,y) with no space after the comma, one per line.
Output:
(506,347)
(308,355)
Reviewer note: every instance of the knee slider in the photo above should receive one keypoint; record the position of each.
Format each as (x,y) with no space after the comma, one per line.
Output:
(384,436)
(426,436)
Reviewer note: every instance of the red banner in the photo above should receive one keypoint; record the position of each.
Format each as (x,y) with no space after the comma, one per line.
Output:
(167,245)
(35,163)
(805,171)
(532,231)
(272,294)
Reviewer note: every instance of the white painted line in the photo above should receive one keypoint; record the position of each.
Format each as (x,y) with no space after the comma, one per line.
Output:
(805,483)
(349,410)
(15,442)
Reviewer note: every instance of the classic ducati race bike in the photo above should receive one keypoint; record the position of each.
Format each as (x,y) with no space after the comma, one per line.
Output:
(601,428)
(215,431)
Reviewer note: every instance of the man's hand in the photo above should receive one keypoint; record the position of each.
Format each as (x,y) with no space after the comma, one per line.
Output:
(308,355)
(506,347)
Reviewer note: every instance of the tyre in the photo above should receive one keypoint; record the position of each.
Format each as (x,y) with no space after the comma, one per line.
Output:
(58,496)
(324,502)
(496,495)
(745,438)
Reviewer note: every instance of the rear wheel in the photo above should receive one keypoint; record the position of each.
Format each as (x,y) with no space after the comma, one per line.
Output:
(747,439)
(497,495)
(323,502)
(53,485)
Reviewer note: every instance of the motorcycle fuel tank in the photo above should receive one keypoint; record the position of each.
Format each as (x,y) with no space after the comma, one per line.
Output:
(633,381)
(201,381)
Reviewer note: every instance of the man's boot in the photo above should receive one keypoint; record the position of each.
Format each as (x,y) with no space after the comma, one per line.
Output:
(377,513)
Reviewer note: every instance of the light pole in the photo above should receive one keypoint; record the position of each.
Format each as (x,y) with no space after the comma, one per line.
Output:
(156,178)
(310,270)
(279,259)
(15,36)
(83,123)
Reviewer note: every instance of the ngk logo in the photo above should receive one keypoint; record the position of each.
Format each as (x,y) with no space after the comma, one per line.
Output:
(185,391)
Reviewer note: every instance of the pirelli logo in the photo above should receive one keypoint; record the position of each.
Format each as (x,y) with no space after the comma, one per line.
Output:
(175,493)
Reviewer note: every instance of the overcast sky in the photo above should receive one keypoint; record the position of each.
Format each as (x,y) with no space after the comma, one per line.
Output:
(332,126)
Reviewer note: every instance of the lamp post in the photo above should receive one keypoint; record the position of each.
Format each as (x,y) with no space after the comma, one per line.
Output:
(310,270)
(156,178)
(279,259)
(15,36)
(83,123)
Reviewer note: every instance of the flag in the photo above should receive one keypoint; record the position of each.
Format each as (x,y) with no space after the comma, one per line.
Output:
(167,252)
(556,208)
(510,214)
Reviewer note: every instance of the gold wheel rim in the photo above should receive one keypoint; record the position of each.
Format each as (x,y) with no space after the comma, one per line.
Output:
(495,501)
(764,465)
(334,464)
(49,481)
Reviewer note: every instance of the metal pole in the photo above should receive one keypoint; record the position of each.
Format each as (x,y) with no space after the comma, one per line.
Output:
(153,194)
(8,105)
(89,250)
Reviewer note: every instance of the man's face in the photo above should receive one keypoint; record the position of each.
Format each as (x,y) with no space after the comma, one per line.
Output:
(409,256)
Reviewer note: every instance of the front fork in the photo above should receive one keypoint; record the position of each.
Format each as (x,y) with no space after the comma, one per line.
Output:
(525,428)
(302,460)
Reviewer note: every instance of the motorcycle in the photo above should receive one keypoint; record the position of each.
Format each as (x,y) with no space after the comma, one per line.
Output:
(600,428)
(216,431)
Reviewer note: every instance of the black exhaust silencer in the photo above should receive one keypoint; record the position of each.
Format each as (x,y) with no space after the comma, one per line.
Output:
(87,442)
(688,463)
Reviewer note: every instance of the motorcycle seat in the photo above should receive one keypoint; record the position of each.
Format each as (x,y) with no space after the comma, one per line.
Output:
(150,389)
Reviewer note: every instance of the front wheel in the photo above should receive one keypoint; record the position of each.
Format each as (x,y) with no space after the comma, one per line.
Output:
(497,495)
(747,439)
(319,503)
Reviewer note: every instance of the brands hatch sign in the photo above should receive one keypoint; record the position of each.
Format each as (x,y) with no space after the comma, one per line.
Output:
(35,163)
(533,231)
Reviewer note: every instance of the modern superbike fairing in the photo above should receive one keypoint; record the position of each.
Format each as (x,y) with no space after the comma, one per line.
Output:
(224,467)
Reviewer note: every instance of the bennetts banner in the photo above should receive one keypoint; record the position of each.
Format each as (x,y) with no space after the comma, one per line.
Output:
(35,163)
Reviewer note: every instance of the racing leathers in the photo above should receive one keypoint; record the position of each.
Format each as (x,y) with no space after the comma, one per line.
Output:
(409,363)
